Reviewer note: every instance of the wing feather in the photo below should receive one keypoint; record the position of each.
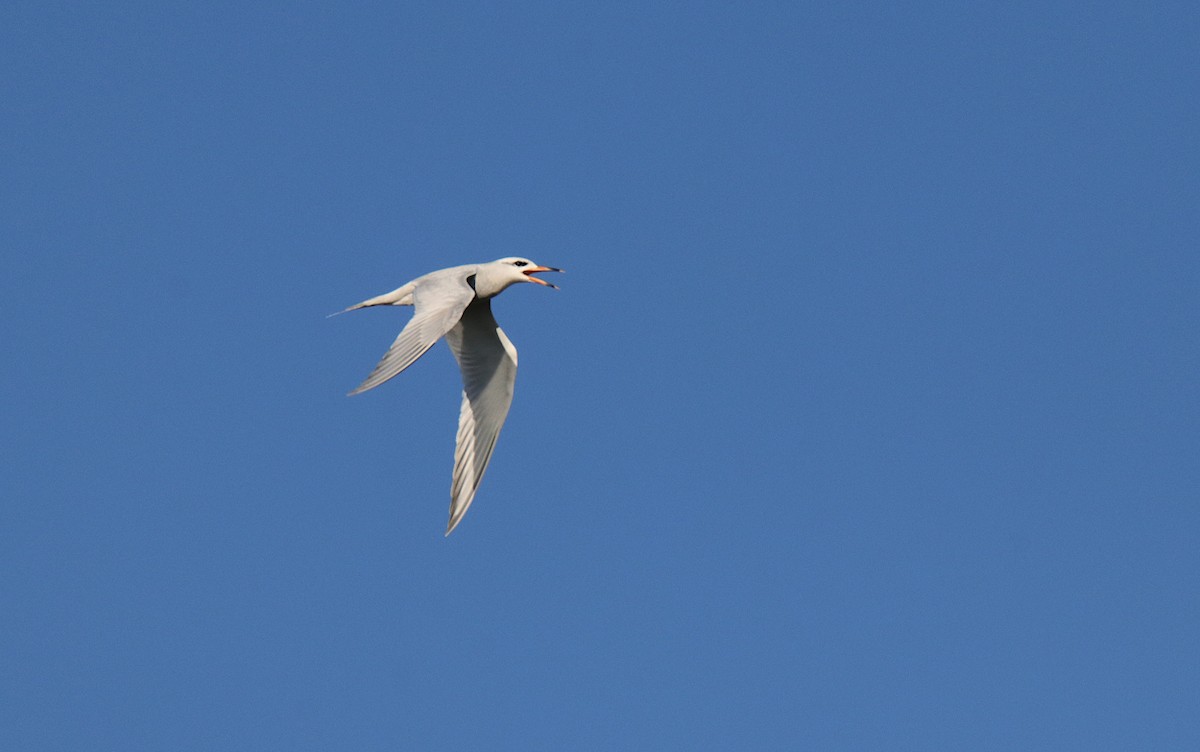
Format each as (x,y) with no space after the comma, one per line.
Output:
(439,302)
(488,362)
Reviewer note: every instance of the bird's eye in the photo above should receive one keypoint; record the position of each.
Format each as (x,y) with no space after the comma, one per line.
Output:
(520,263)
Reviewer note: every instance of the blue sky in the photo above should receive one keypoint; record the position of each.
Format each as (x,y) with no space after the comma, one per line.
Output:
(866,417)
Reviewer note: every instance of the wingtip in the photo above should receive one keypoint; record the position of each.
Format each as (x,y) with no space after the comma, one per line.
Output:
(366,386)
(455,519)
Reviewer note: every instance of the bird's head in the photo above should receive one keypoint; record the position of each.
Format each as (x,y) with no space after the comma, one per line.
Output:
(518,269)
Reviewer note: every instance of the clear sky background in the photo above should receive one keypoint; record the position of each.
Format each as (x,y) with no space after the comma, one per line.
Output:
(866,418)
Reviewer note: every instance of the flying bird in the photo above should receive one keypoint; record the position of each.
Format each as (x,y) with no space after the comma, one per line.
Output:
(456,303)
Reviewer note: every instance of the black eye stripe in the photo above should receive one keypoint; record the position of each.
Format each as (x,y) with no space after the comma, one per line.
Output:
(520,263)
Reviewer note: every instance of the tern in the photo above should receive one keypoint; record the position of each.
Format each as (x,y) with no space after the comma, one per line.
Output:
(456,303)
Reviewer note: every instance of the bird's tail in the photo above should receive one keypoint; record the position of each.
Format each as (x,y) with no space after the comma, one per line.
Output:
(397,297)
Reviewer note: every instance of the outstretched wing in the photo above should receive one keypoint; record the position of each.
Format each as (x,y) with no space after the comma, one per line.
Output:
(488,362)
(439,300)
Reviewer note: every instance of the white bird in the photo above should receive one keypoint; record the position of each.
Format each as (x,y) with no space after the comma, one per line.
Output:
(457,303)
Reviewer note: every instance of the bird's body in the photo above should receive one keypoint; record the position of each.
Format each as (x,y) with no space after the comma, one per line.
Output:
(456,303)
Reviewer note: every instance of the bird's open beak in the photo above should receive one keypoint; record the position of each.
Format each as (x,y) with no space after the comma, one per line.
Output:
(534,270)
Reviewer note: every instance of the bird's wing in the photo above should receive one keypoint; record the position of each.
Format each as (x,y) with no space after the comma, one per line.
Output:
(439,300)
(489,369)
